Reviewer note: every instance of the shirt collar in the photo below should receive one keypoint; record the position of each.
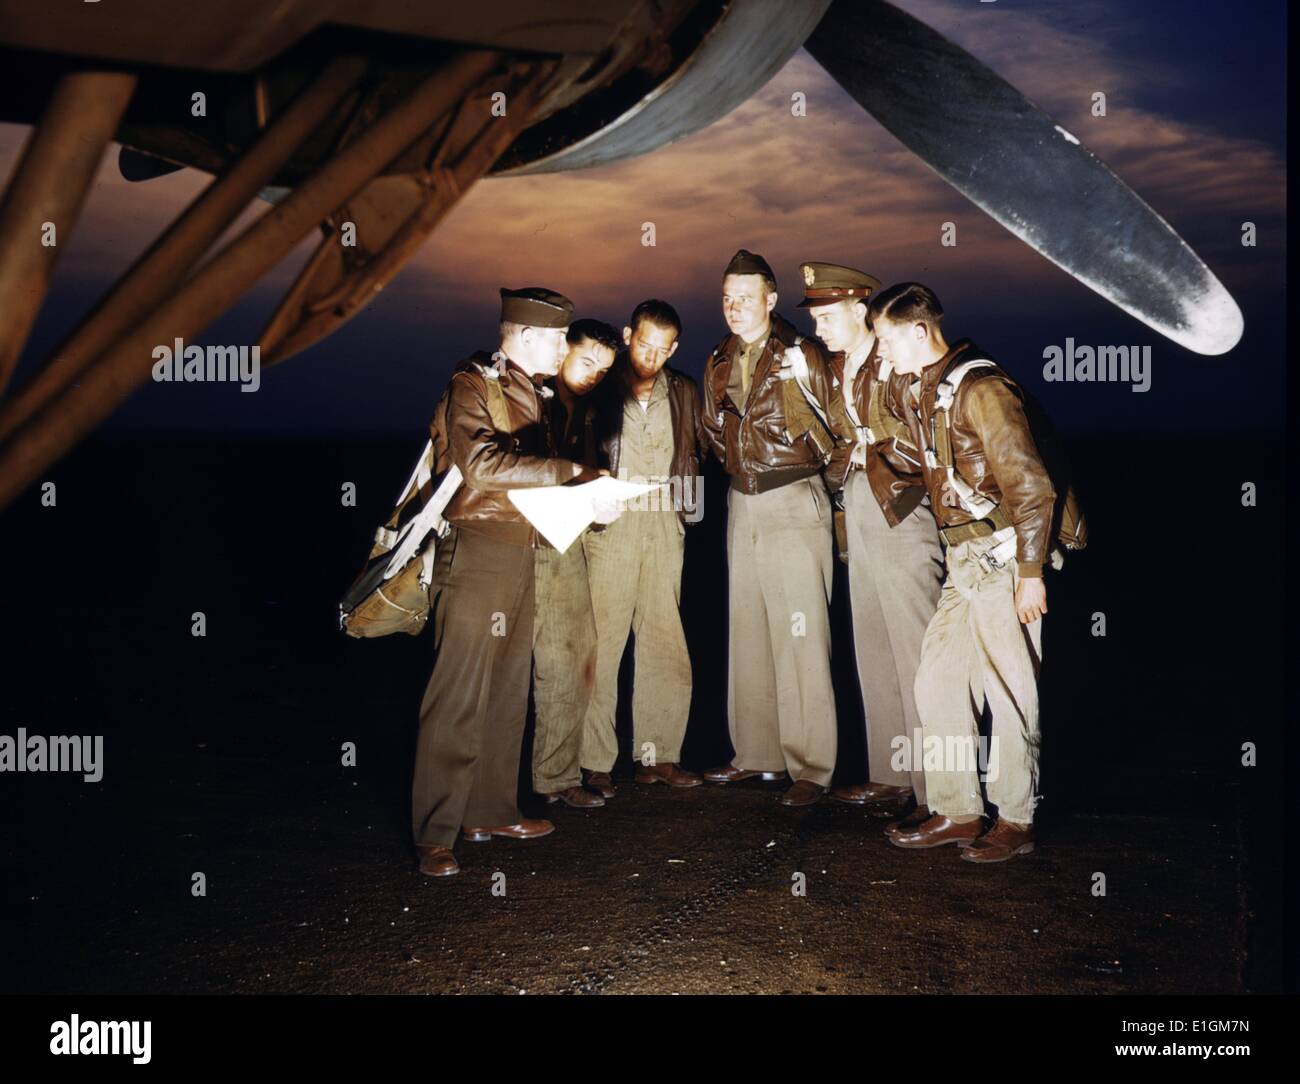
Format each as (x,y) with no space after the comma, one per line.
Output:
(658,390)
(853,363)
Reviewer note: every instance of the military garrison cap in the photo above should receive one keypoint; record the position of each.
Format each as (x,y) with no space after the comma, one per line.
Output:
(745,262)
(535,306)
(824,283)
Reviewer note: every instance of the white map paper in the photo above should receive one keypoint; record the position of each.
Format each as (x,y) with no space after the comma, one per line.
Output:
(562,513)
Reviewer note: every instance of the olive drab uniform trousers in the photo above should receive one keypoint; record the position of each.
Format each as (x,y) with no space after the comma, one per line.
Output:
(976,650)
(780,701)
(894,582)
(635,567)
(894,575)
(475,706)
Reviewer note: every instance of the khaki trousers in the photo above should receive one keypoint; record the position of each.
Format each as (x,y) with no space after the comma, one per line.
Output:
(780,703)
(474,709)
(895,575)
(976,651)
(635,570)
(564,666)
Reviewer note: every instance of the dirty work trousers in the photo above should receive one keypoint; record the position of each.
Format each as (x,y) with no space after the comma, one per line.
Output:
(564,665)
(635,567)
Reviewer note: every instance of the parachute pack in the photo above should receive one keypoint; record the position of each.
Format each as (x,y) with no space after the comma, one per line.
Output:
(391,594)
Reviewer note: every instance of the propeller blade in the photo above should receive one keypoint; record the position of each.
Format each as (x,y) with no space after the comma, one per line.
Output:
(993,145)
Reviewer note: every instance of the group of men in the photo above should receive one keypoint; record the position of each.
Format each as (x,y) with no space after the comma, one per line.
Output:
(912,454)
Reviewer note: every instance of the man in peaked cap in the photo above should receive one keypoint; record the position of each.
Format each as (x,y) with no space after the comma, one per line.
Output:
(895,559)
(493,425)
(766,399)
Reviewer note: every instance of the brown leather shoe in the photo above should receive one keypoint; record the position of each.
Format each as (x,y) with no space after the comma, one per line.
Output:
(437,861)
(1003,841)
(937,831)
(577,797)
(601,783)
(525,829)
(914,819)
(671,774)
(729,773)
(804,792)
(868,793)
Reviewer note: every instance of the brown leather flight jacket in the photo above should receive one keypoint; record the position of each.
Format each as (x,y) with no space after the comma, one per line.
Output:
(750,439)
(493,462)
(893,463)
(607,403)
(573,435)
(993,451)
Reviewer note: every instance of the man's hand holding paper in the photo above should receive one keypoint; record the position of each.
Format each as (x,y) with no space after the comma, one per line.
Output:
(562,513)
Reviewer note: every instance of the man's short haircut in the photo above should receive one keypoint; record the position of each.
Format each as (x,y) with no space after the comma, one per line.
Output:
(769,283)
(509,328)
(659,313)
(906,303)
(599,332)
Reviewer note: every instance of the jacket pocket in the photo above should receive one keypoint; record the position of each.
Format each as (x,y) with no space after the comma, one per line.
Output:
(773,429)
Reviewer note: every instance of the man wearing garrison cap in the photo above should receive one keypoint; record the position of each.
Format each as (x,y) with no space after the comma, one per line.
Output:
(895,560)
(767,395)
(492,424)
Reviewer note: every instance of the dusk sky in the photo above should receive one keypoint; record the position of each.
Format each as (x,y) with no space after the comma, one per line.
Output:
(1196,125)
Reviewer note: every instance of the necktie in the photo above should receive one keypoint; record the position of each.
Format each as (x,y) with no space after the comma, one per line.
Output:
(748,360)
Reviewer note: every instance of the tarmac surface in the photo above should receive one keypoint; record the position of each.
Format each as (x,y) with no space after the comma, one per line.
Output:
(222,757)
(661,891)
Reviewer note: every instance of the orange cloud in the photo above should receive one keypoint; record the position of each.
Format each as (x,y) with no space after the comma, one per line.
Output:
(830,185)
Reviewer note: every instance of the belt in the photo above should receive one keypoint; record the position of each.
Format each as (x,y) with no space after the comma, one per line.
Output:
(980,528)
(751,482)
